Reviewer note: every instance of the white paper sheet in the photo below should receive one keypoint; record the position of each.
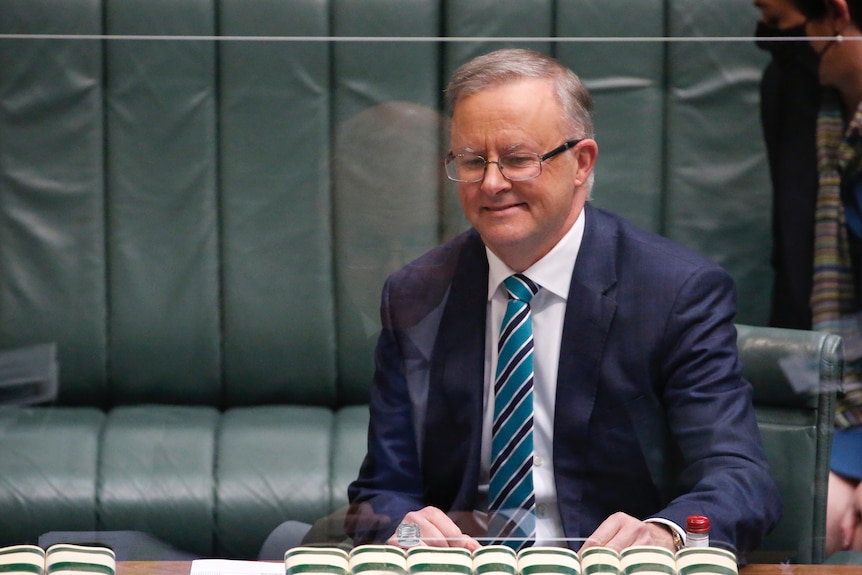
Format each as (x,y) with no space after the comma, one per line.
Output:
(234,567)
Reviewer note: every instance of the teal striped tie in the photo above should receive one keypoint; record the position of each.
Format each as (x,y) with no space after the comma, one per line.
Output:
(511,500)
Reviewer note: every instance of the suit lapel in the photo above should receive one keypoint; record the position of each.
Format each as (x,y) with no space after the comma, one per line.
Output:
(456,385)
(589,312)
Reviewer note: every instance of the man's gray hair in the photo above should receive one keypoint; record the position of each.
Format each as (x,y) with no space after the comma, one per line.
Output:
(511,64)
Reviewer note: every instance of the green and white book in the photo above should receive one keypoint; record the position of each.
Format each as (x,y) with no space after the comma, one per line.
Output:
(59,559)
(316,561)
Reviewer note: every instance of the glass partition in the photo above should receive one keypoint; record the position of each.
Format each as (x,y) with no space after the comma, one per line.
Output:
(200,202)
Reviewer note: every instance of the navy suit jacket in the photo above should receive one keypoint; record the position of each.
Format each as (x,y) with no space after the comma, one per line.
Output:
(652,415)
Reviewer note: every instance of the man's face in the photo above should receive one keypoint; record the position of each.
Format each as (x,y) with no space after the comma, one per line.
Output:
(779,14)
(520,221)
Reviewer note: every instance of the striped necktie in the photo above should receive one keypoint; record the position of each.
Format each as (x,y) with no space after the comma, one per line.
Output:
(511,500)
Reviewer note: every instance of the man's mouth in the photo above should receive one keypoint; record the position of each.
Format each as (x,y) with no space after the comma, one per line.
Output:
(505,207)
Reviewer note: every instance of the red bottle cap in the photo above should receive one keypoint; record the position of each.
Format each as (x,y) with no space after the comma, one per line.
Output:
(697,524)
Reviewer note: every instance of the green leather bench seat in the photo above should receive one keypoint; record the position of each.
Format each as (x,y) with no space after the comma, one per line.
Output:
(201,221)
(206,482)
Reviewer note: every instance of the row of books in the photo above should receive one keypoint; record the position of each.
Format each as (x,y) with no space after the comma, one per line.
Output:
(59,559)
(67,559)
(502,560)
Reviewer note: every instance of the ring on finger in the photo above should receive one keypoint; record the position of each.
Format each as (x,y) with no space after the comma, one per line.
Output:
(408,535)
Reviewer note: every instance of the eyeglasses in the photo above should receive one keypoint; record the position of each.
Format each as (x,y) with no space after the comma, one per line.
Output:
(516,167)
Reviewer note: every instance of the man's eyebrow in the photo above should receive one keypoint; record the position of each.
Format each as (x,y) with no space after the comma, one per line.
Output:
(466,150)
(515,147)
(505,150)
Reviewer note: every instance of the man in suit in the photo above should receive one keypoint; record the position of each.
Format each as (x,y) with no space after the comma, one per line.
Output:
(640,415)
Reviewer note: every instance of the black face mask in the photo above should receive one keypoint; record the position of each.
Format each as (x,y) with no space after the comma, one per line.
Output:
(787,53)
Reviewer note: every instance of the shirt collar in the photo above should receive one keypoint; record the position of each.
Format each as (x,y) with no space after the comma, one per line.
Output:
(553,272)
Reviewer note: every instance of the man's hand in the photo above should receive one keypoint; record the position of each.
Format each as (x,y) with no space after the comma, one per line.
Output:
(621,530)
(437,530)
(851,522)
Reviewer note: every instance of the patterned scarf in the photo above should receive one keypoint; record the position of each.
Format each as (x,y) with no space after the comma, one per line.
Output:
(833,297)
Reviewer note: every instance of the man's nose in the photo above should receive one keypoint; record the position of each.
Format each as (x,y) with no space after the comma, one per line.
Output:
(494,180)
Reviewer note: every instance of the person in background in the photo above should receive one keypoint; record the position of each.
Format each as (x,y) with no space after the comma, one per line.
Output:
(834,28)
(635,411)
(789,101)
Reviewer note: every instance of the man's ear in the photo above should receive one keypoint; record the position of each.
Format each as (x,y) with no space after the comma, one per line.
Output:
(588,151)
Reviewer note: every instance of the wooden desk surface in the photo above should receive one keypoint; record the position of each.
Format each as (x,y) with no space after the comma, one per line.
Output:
(784,569)
(153,567)
(183,568)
